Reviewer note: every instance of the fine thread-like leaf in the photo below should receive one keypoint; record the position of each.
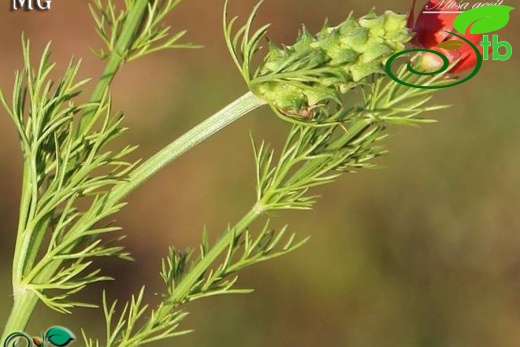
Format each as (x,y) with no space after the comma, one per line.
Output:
(153,36)
(45,112)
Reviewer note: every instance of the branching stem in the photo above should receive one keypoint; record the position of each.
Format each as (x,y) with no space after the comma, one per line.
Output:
(193,276)
(116,59)
(229,114)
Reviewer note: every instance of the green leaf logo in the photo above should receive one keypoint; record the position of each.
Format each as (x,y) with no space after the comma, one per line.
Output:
(483,19)
(59,336)
(451,45)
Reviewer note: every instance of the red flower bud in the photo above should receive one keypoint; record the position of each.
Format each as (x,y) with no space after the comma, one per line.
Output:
(430,31)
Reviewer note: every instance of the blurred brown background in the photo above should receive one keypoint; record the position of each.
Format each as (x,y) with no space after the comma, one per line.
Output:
(422,253)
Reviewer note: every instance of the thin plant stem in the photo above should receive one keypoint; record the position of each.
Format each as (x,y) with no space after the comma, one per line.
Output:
(229,114)
(193,276)
(115,61)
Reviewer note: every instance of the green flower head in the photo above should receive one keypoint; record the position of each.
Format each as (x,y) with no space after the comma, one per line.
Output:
(319,68)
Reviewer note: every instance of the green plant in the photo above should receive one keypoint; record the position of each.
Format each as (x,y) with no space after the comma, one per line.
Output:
(72,183)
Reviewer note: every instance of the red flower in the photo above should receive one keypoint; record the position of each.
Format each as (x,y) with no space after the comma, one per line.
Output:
(430,31)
